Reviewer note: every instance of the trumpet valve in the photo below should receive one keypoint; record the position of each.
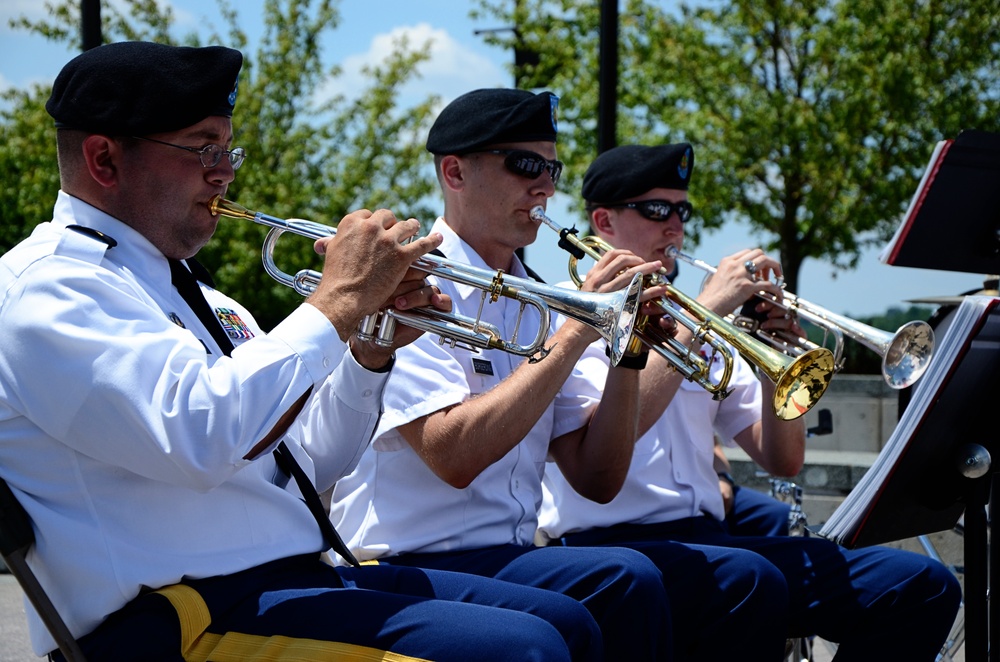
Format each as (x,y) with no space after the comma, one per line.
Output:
(366,329)
(386,330)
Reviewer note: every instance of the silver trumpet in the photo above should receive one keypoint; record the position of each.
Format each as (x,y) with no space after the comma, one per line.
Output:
(799,382)
(612,315)
(906,353)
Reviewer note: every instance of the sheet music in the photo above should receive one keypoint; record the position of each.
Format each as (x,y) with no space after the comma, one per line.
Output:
(846,520)
(925,181)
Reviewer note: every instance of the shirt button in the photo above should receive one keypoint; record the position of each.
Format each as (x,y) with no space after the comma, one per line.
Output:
(367,393)
(326,362)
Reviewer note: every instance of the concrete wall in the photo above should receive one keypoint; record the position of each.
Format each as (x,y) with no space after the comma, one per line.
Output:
(864,411)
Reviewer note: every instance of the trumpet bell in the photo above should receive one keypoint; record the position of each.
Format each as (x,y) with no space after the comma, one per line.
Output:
(799,382)
(802,383)
(908,354)
(619,323)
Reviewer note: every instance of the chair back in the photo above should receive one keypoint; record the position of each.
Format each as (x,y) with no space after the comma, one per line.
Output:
(16,538)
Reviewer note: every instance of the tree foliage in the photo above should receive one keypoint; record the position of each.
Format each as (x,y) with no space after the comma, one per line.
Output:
(811,120)
(308,156)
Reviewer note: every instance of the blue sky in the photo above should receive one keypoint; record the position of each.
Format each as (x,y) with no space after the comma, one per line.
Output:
(462,61)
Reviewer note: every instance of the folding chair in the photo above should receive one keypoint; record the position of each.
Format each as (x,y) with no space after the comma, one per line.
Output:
(16,538)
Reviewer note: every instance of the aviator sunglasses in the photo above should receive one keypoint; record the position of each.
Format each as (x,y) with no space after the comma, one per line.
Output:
(527,164)
(658,210)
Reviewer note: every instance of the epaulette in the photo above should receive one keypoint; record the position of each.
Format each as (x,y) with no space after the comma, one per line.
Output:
(85,244)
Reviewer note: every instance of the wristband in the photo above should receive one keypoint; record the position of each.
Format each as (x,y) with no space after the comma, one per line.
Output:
(630,361)
(387,367)
(726,476)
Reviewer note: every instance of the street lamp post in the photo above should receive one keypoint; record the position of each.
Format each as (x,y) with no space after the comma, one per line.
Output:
(607,103)
(90,24)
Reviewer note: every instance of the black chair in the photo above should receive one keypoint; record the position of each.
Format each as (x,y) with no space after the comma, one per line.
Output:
(16,538)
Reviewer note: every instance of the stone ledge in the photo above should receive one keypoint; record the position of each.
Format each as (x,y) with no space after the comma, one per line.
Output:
(831,472)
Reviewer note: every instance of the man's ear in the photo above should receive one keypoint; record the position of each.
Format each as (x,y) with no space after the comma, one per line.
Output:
(103,158)
(453,172)
(600,221)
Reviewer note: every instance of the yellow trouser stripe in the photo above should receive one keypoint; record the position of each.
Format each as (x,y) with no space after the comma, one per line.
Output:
(192,612)
(200,646)
(237,647)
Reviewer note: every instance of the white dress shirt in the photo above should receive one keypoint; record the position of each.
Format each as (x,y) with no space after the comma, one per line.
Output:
(393,503)
(671,475)
(123,428)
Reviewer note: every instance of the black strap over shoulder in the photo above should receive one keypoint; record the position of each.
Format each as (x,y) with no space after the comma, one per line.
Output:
(186,283)
(531,273)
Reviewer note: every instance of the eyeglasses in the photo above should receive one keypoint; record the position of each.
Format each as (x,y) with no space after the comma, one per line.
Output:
(658,210)
(210,155)
(528,164)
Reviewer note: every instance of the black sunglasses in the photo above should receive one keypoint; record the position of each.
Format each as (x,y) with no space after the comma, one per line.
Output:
(658,210)
(528,164)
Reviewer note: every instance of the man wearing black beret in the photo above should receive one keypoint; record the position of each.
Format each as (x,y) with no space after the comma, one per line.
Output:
(877,603)
(140,407)
(455,477)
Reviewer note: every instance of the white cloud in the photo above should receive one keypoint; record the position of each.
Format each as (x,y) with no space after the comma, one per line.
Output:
(452,68)
(31,9)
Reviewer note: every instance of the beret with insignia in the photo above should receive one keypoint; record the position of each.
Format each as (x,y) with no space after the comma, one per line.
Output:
(629,171)
(487,117)
(138,88)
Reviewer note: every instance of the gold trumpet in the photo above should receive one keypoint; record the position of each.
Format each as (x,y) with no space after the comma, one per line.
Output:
(799,381)
(613,314)
(905,353)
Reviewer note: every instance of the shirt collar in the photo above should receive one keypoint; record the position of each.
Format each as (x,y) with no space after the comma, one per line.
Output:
(456,249)
(133,248)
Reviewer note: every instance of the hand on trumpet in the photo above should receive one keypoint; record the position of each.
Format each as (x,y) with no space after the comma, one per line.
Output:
(412,292)
(738,278)
(615,270)
(364,264)
(776,318)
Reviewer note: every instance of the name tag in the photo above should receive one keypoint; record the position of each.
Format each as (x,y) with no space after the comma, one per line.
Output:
(482,367)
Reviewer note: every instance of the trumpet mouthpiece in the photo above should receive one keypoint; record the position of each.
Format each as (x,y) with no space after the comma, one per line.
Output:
(213,205)
(671,251)
(537,213)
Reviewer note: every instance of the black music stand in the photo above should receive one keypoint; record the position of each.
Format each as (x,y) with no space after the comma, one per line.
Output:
(953,224)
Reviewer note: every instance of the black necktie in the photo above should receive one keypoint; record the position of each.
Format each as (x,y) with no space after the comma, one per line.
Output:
(187,286)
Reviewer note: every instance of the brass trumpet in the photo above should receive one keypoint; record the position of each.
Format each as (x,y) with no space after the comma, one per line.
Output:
(799,381)
(612,315)
(906,353)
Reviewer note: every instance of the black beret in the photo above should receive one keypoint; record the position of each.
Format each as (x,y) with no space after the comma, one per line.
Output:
(138,88)
(629,171)
(486,117)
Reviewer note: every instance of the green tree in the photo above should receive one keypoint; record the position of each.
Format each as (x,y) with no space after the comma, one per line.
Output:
(29,177)
(307,157)
(812,120)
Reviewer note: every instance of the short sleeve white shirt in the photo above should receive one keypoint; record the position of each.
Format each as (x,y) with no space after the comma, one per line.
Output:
(393,503)
(671,475)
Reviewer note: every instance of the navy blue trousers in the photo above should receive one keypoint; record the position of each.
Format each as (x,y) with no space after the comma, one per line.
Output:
(757,514)
(719,598)
(622,589)
(300,608)
(877,603)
